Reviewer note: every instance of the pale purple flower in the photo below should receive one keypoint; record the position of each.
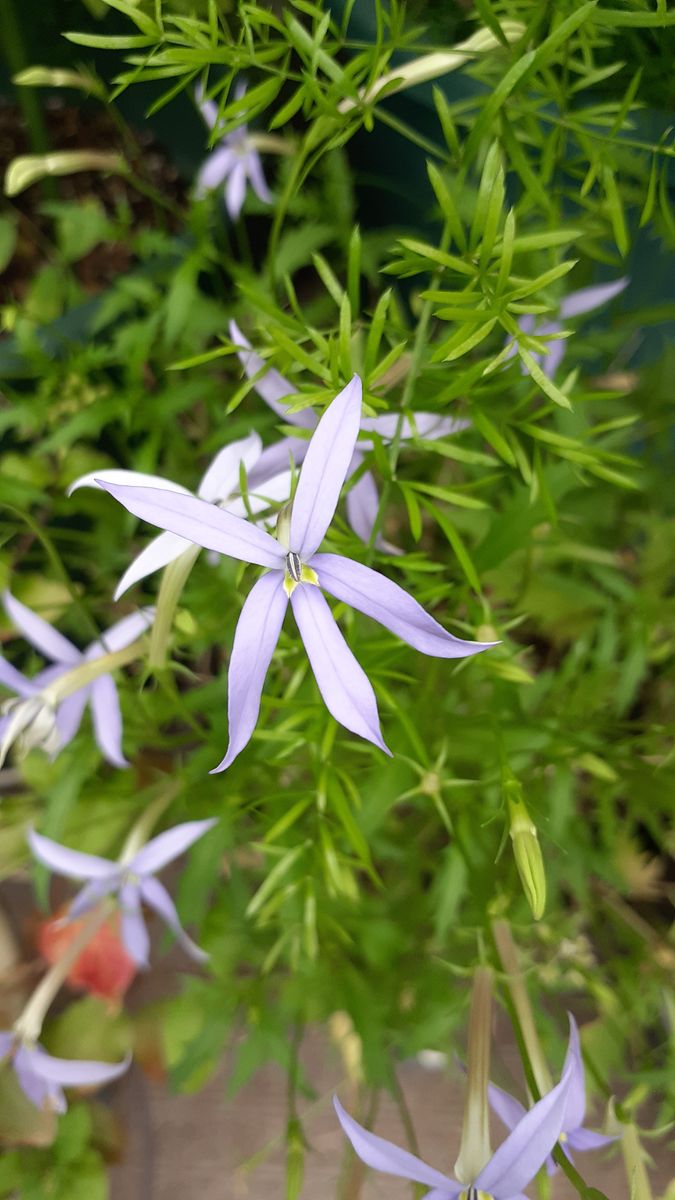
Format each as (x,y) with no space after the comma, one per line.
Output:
(510,1169)
(234,162)
(32,719)
(297,572)
(573,1135)
(362,500)
(42,1077)
(574,305)
(219,485)
(132,881)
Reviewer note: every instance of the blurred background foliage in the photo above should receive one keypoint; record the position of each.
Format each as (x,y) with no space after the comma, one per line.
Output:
(408,237)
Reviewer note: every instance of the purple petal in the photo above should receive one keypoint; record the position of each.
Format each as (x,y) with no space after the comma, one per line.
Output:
(586,1139)
(509,1110)
(362,507)
(90,895)
(384,1156)
(551,361)
(73,1072)
(257,177)
(69,714)
(429,426)
(207,108)
(255,639)
(276,459)
(574,1065)
(132,926)
(107,718)
(161,551)
(275,490)
(15,681)
(271,387)
(74,864)
(6,1044)
(201,523)
(156,896)
(40,633)
(526,1148)
(122,633)
(586,299)
(323,472)
(346,689)
(34,1087)
(222,477)
(386,602)
(168,845)
(235,188)
(215,169)
(126,478)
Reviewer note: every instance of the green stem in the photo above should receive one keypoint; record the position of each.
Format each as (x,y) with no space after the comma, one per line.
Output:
(15,57)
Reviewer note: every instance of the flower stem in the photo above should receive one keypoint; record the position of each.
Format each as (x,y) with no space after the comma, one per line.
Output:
(81,675)
(508,955)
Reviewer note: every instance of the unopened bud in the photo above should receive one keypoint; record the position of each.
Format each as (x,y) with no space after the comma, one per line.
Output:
(31,725)
(526,848)
(474,1151)
(57,77)
(29,168)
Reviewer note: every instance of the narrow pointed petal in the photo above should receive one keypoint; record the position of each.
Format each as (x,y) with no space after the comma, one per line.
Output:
(276,459)
(271,387)
(587,1139)
(90,895)
(39,632)
(235,188)
(201,523)
(107,718)
(158,899)
(207,108)
(69,715)
(74,864)
(346,689)
(34,1087)
(324,470)
(215,169)
(381,1155)
(6,1044)
(257,177)
(126,478)
(122,633)
(255,639)
(509,1110)
(14,680)
(73,1072)
(527,1147)
(362,505)
(551,361)
(386,602)
(132,926)
(574,1064)
(429,426)
(586,299)
(162,550)
(222,477)
(168,845)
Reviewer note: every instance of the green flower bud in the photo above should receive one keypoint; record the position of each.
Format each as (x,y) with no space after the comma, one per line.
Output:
(30,168)
(526,848)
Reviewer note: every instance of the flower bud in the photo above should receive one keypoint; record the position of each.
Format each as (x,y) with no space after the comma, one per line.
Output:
(526,848)
(32,724)
(474,1151)
(29,168)
(57,77)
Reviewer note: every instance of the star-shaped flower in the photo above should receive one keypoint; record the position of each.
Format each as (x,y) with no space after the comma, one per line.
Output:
(582,301)
(295,570)
(132,880)
(219,485)
(42,1077)
(32,719)
(509,1170)
(573,1135)
(362,499)
(234,162)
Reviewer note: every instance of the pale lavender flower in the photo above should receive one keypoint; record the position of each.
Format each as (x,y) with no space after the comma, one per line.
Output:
(574,305)
(510,1169)
(132,881)
(31,719)
(234,162)
(42,1077)
(362,500)
(573,1135)
(297,572)
(219,485)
